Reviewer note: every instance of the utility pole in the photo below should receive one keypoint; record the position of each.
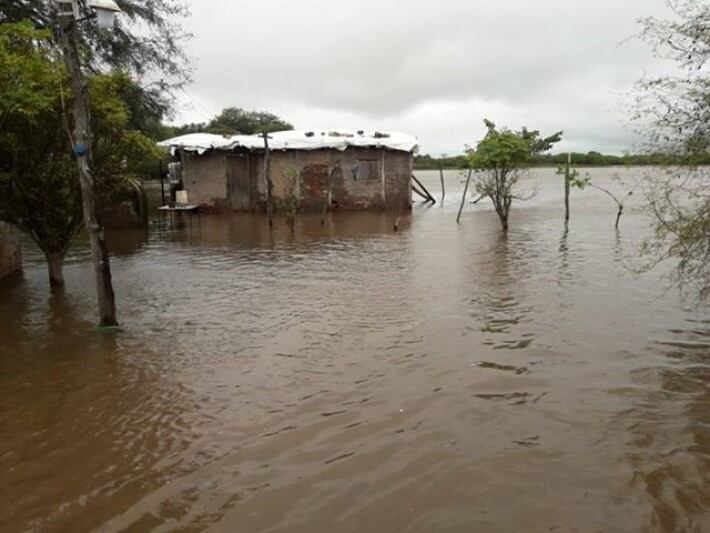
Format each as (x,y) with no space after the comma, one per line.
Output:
(81,141)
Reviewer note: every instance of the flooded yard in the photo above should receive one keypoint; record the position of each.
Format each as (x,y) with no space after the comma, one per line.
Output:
(349,378)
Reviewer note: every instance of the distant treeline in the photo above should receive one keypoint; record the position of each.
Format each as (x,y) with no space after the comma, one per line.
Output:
(590,159)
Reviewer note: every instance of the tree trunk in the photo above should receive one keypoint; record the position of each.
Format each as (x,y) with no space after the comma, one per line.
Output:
(502,214)
(503,221)
(81,144)
(55,268)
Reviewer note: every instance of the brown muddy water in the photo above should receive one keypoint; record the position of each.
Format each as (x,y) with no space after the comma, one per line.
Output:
(443,378)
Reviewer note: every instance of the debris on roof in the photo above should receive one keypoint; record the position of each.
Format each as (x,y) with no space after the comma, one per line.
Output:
(294,140)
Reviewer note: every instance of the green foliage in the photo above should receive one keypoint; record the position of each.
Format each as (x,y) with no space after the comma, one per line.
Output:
(234,120)
(581,159)
(499,158)
(147,42)
(39,191)
(573,177)
(503,149)
(427,162)
(28,81)
(121,154)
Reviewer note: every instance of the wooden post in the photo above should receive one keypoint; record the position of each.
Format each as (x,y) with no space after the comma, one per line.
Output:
(162,183)
(81,144)
(443,189)
(421,186)
(269,183)
(420,193)
(567,178)
(465,192)
(398,215)
(328,192)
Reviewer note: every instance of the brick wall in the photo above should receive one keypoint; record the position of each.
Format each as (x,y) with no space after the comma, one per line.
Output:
(363,178)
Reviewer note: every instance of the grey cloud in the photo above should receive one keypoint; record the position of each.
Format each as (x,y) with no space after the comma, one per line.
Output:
(383,62)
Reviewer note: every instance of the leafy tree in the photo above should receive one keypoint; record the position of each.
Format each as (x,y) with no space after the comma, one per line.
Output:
(501,158)
(674,112)
(147,43)
(234,120)
(39,192)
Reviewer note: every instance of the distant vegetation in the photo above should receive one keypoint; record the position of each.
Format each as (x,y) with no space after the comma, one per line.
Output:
(232,121)
(590,159)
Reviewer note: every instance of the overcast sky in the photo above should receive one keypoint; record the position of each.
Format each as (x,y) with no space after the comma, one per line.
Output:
(435,69)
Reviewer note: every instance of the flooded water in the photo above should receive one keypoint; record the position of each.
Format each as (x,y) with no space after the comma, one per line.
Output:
(349,378)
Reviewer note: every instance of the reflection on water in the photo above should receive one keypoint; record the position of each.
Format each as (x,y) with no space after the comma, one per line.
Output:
(347,378)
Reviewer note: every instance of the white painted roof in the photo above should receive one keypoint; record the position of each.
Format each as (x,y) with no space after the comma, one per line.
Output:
(295,140)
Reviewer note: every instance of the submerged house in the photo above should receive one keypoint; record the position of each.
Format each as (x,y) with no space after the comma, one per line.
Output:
(314,169)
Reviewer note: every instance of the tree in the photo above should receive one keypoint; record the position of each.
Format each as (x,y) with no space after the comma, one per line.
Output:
(234,120)
(39,192)
(674,113)
(501,158)
(146,45)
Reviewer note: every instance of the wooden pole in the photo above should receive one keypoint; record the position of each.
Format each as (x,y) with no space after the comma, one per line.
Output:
(398,215)
(81,144)
(269,183)
(421,186)
(465,192)
(567,178)
(443,189)
(328,192)
(162,183)
(420,193)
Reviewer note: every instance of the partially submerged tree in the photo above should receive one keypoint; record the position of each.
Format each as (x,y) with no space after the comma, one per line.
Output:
(501,159)
(674,112)
(619,198)
(39,192)
(145,44)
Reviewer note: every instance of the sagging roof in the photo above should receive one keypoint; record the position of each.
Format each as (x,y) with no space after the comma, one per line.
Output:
(294,140)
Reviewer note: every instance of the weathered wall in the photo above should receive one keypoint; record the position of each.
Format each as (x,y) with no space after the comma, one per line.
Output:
(10,256)
(363,178)
(204,178)
(399,167)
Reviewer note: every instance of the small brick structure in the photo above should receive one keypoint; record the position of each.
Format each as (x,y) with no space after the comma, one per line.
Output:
(350,171)
(10,255)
